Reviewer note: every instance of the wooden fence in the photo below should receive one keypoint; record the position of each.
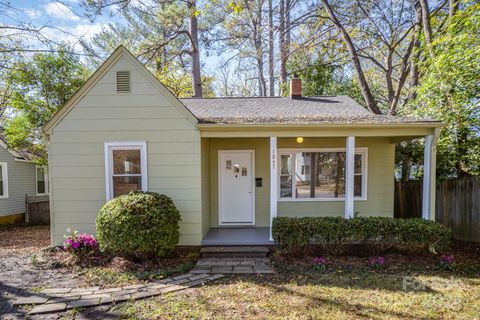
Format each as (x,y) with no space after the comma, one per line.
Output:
(37,210)
(457,205)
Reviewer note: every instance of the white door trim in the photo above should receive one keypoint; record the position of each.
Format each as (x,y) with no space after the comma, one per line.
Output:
(220,188)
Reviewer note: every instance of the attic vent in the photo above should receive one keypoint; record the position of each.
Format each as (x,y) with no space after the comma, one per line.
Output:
(123,81)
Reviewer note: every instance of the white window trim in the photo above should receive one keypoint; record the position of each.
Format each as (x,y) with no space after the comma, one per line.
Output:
(45,177)
(361,150)
(5,180)
(124,145)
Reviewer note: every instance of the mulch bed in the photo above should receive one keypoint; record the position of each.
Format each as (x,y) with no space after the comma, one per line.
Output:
(15,240)
(467,258)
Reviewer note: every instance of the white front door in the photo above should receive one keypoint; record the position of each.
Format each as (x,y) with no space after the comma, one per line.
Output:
(236,187)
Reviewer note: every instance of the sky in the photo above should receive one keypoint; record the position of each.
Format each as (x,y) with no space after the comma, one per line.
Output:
(65,20)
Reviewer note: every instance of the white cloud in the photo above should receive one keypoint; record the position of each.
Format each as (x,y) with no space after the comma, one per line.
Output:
(33,13)
(60,11)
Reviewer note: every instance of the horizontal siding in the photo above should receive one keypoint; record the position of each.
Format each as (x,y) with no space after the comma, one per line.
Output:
(380,178)
(21,181)
(77,153)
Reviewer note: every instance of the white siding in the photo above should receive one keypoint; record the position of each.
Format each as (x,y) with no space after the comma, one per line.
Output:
(21,181)
(76,150)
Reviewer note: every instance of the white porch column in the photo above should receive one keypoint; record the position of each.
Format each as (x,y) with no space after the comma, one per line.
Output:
(273,181)
(429,177)
(349,177)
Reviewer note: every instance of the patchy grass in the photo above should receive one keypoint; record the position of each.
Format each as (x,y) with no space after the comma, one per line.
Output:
(408,287)
(317,296)
(106,277)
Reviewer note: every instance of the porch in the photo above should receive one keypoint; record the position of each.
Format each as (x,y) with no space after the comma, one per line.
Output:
(326,174)
(237,236)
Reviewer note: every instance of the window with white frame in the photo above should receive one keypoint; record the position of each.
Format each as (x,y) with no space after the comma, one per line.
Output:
(126,167)
(319,174)
(42,180)
(3,180)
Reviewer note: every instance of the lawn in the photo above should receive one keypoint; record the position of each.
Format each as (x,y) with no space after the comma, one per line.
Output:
(319,296)
(348,289)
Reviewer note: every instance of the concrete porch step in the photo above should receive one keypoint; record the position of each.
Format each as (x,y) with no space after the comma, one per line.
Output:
(234,252)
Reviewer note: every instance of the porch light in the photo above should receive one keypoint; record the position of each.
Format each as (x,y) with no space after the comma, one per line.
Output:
(299,139)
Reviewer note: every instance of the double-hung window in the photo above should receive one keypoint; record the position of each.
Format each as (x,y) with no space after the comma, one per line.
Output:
(3,180)
(319,174)
(42,180)
(126,167)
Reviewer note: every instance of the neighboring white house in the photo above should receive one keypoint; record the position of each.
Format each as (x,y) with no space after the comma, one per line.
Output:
(19,176)
(230,164)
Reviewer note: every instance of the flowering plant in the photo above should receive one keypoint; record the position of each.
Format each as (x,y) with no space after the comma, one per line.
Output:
(320,263)
(447,262)
(377,262)
(81,246)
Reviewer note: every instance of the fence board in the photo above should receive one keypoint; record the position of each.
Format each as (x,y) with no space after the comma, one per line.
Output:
(37,210)
(457,205)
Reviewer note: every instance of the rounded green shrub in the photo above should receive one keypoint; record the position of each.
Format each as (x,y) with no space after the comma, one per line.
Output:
(139,225)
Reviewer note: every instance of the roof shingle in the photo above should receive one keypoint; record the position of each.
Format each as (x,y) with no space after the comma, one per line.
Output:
(282,110)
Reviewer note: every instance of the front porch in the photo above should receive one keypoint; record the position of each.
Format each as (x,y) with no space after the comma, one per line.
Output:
(248,180)
(238,236)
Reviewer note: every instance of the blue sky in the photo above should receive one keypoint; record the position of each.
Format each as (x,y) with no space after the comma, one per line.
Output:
(66,20)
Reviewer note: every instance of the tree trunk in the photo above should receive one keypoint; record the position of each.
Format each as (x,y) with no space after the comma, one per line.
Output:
(367,94)
(271,66)
(427,28)
(452,8)
(414,72)
(406,165)
(282,48)
(195,51)
(257,41)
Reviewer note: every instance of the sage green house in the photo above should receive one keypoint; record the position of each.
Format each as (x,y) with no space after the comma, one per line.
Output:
(230,164)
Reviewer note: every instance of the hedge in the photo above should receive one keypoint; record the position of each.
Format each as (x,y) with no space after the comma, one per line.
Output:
(139,225)
(296,235)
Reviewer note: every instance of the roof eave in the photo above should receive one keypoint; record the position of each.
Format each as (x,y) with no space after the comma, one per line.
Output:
(266,126)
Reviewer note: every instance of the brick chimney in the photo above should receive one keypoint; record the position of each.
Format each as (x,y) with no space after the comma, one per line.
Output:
(295,87)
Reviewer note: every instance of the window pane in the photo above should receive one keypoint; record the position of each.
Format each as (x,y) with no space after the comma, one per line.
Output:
(285,186)
(285,164)
(330,175)
(1,174)
(358,164)
(123,185)
(1,188)
(302,178)
(40,186)
(40,174)
(126,162)
(357,190)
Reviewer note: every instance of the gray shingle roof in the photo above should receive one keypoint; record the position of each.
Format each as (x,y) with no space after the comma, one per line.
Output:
(282,110)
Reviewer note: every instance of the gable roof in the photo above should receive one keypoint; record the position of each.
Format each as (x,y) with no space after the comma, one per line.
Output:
(121,51)
(283,110)
(25,154)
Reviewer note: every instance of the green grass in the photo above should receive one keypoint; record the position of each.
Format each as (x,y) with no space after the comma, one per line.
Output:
(315,295)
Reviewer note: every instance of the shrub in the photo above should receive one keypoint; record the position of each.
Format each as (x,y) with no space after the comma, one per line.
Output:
(81,246)
(296,235)
(139,225)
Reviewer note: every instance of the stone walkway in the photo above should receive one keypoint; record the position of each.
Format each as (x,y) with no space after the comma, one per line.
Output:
(232,265)
(61,299)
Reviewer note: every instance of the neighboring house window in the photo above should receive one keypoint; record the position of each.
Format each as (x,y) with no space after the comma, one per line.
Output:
(42,180)
(126,167)
(319,174)
(3,180)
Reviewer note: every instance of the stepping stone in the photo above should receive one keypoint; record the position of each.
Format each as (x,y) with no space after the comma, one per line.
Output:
(56,290)
(83,303)
(221,270)
(46,308)
(107,290)
(197,277)
(29,300)
(145,294)
(242,270)
(200,270)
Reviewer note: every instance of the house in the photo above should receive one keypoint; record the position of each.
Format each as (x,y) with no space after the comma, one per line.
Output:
(19,177)
(230,164)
